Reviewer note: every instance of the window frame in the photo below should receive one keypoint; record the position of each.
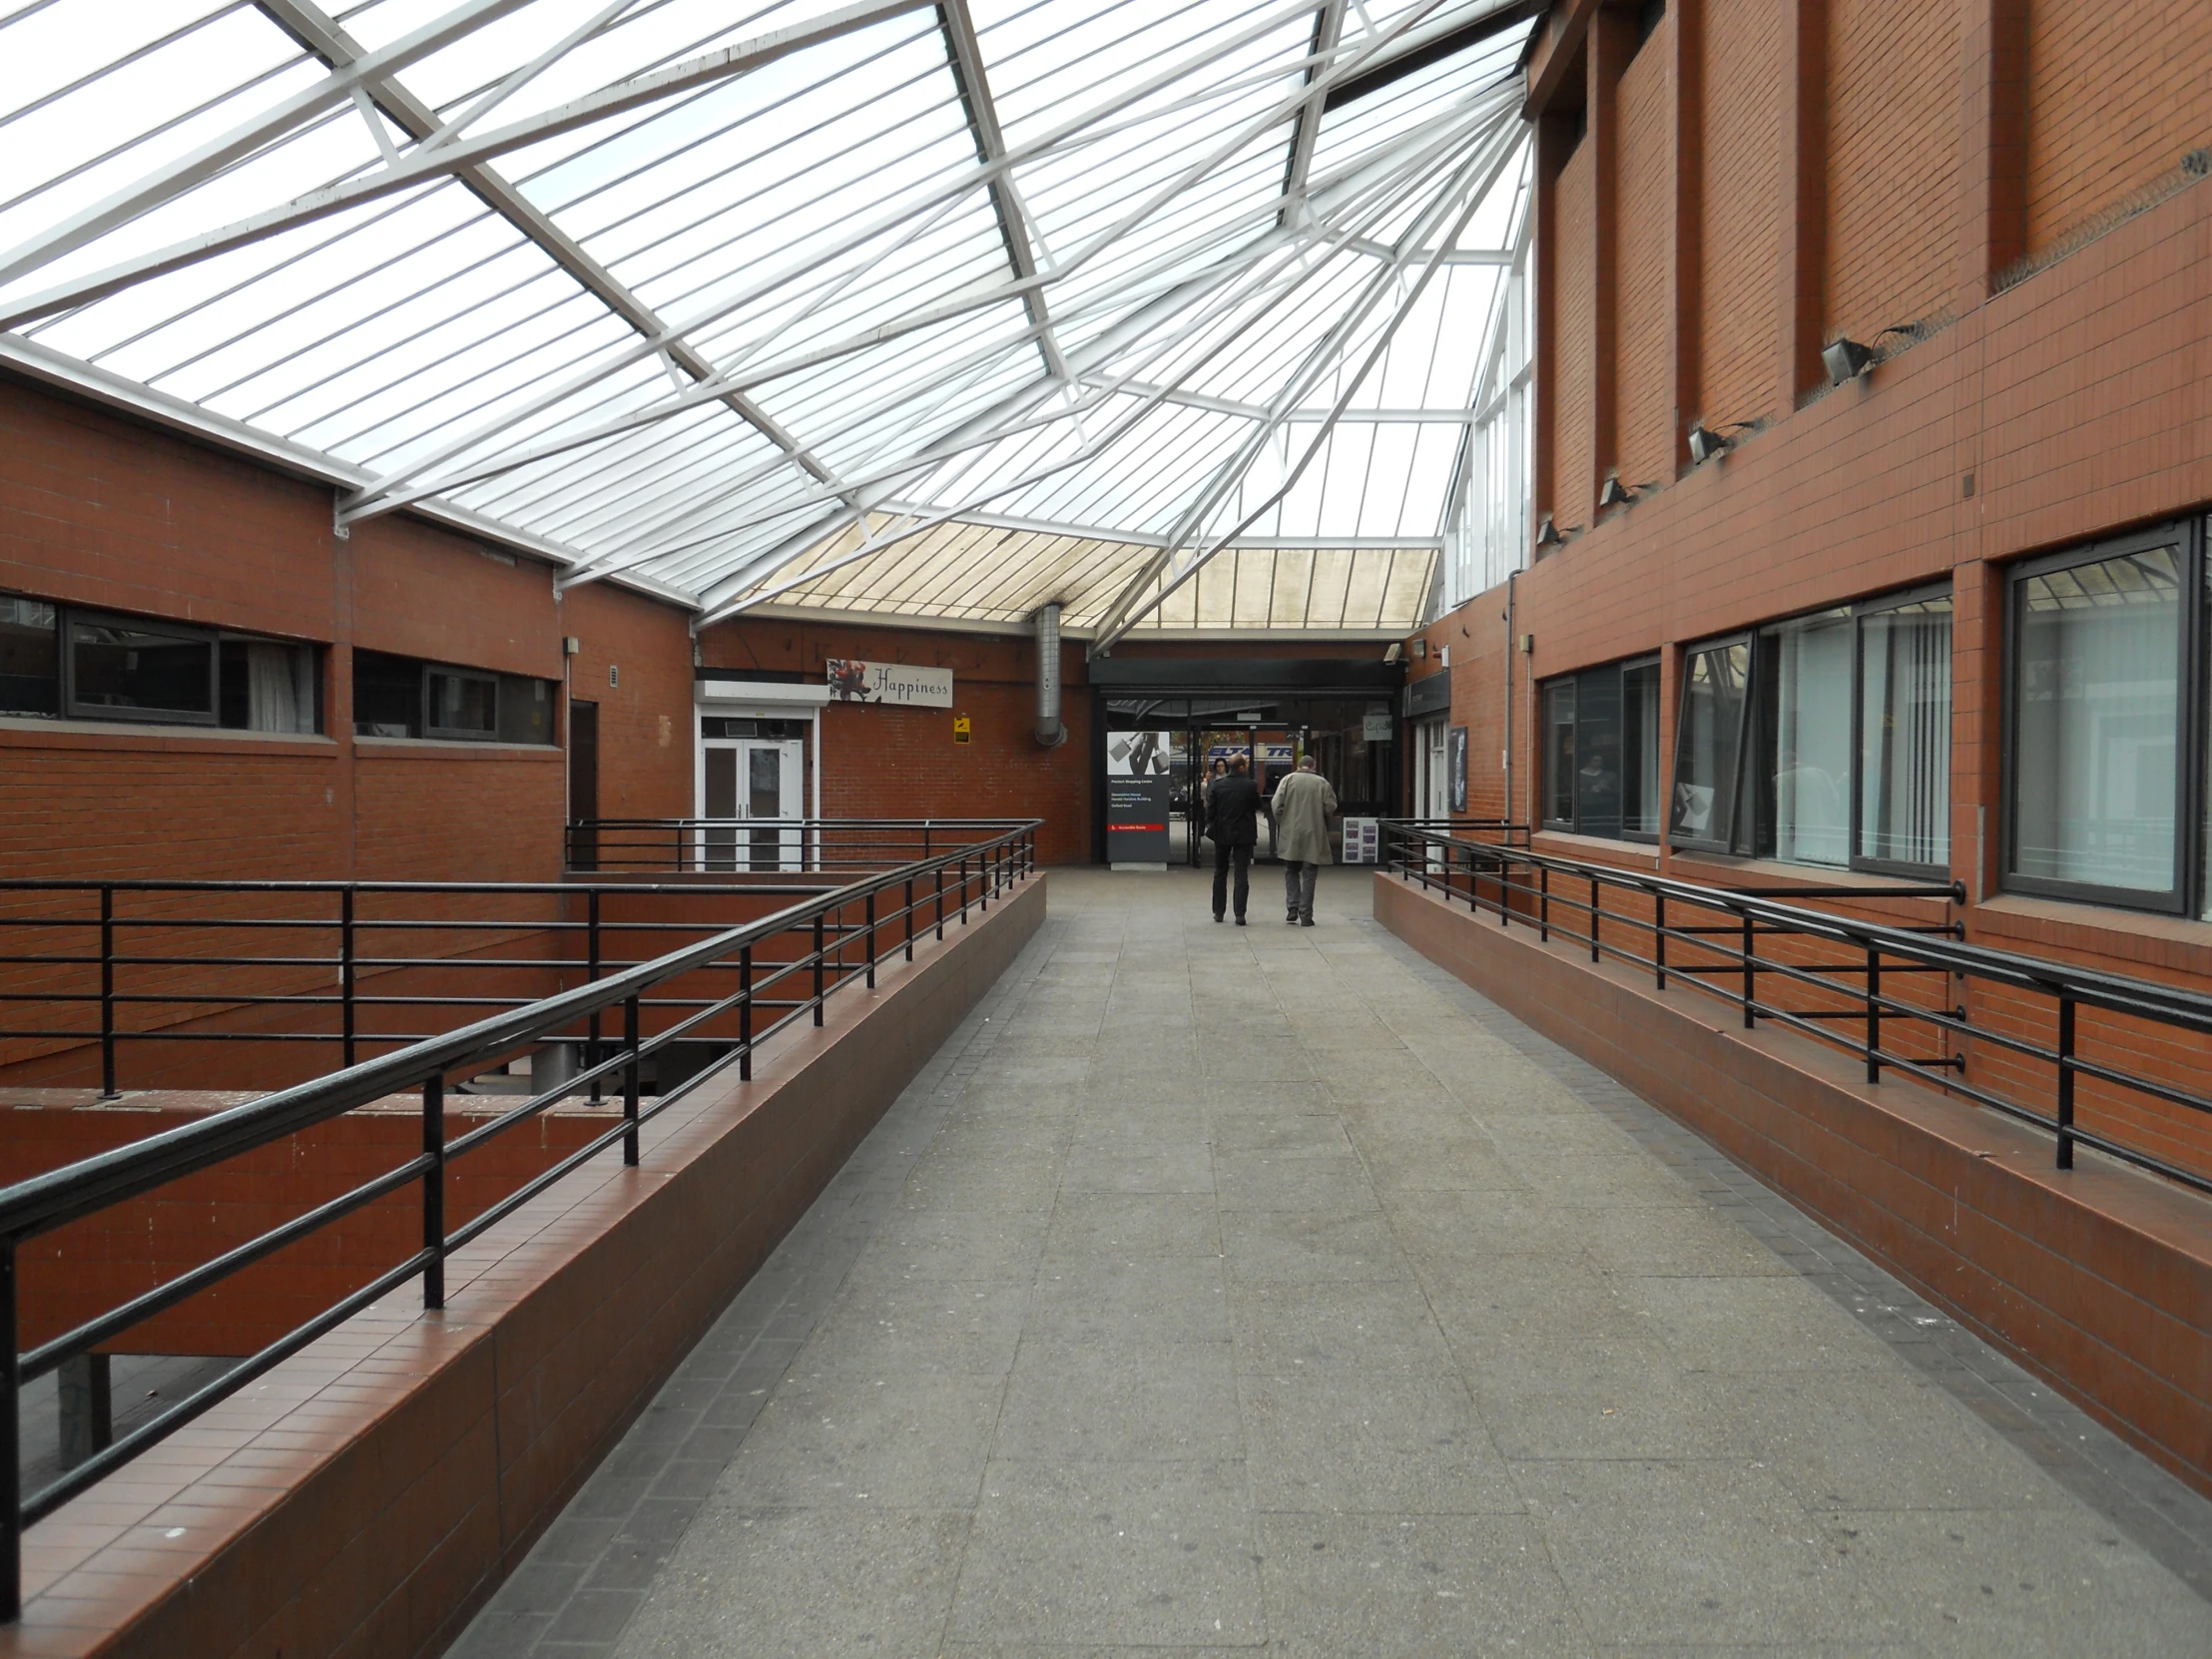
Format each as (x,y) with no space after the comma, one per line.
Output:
(1725,847)
(1744,840)
(462,734)
(208,639)
(1859,861)
(1573,677)
(2184,896)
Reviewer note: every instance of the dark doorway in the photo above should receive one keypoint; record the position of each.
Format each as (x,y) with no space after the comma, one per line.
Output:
(583,784)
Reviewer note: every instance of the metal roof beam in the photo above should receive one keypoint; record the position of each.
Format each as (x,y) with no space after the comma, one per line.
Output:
(320,34)
(966,55)
(424,165)
(1329,24)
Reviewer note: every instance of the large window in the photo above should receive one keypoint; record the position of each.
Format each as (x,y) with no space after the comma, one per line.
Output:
(1823,739)
(90,665)
(405,696)
(1601,751)
(2101,713)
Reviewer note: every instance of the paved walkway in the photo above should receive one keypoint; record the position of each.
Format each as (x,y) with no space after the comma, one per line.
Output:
(1269,1289)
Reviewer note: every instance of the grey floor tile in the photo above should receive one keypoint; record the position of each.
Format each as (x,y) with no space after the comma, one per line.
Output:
(1163,1403)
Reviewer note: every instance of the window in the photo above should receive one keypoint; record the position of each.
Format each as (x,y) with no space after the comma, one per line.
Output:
(1601,752)
(2102,644)
(405,696)
(90,665)
(1823,739)
(30,657)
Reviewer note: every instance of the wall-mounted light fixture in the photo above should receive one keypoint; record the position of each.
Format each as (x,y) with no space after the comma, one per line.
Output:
(1706,441)
(1395,653)
(1548,533)
(1614,493)
(1846,359)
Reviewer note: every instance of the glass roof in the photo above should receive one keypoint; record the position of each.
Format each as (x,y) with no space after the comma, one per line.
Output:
(1168,309)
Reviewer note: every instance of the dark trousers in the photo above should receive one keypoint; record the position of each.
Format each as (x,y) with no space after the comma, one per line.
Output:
(1298,888)
(1226,856)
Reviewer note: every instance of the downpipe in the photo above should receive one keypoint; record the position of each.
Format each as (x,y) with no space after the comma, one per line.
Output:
(1051,729)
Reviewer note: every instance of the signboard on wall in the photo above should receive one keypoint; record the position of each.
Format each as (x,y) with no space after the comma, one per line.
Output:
(1456,767)
(853,681)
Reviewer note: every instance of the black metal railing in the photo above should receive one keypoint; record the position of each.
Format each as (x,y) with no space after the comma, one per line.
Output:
(785,966)
(347,968)
(731,845)
(1896,994)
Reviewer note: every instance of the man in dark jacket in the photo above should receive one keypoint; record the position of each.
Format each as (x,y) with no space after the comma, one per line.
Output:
(1232,820)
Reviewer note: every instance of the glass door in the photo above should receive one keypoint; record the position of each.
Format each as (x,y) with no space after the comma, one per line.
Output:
(754,781)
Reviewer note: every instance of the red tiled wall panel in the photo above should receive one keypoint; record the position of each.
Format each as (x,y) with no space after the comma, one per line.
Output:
(1741,240)
(2116,94)
(1893,162)
(1646,235)
(1572,489)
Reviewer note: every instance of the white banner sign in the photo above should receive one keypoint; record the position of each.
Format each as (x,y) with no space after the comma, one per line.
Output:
(852,681)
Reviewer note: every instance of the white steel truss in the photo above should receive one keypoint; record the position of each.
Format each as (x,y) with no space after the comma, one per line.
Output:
(787,302)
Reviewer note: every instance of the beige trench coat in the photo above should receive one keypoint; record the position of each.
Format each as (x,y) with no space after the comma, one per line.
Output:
(1304,804)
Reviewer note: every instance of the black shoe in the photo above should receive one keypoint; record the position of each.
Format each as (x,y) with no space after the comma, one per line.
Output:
(1290,920)
(1307,922)
(1239,921)
(1217,916)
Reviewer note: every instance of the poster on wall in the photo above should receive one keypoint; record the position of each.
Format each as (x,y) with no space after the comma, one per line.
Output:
(1457,767)
(1363,840)
(852,681)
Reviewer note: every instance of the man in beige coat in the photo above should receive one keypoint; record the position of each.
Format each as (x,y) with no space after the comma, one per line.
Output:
(1304,804)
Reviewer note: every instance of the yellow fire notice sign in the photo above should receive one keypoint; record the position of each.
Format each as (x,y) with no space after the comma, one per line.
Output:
(962,730)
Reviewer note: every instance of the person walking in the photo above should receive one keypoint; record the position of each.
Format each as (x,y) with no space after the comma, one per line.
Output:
(1304,804)
(1232,820)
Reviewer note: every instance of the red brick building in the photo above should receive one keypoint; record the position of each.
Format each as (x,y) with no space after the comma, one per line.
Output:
(2006,206)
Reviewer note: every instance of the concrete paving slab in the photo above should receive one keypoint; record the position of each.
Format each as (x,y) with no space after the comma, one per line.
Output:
(1269,1290)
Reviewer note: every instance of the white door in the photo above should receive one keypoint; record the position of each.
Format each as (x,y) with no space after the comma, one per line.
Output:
(756,782)
(1437,796)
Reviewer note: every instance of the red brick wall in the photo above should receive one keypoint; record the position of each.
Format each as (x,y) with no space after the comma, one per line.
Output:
(644,723)
(1572,491)
(2116,94)
(1646,220)
(1740,336)
(1892,162)
(881,760)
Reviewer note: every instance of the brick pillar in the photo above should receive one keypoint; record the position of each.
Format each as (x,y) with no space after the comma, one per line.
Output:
(1612,42)
(1802,257)
(1992,171)
(1554,143)
(1685,252)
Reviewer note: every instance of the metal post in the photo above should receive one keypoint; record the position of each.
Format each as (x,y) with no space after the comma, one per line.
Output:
(106,991)
(1504,896)
(345,970)
(629,1082)
(1750,977)
(817,968)
(1659,937)
(590,948)
(909,919)
(11,1465)
(2065,1081)
(940,903)
(1874,1014)
(1594,918)
(1543,904)
(433,1190)
(745,1013)
(871,939)
(963,891)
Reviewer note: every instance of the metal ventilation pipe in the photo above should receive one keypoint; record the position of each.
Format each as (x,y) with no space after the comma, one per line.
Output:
(1050,731)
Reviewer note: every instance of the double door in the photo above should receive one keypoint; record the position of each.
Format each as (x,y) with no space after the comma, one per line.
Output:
(755,782)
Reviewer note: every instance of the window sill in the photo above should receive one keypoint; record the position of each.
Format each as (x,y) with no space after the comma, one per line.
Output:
(1721,871)
(1595,849)
(27,731)
(2011,921)
(459,748)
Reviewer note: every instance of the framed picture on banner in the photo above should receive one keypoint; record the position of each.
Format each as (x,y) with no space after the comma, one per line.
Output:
(1456,769)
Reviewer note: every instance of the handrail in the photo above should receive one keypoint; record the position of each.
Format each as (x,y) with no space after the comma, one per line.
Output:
(1877,947)
(987,865)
